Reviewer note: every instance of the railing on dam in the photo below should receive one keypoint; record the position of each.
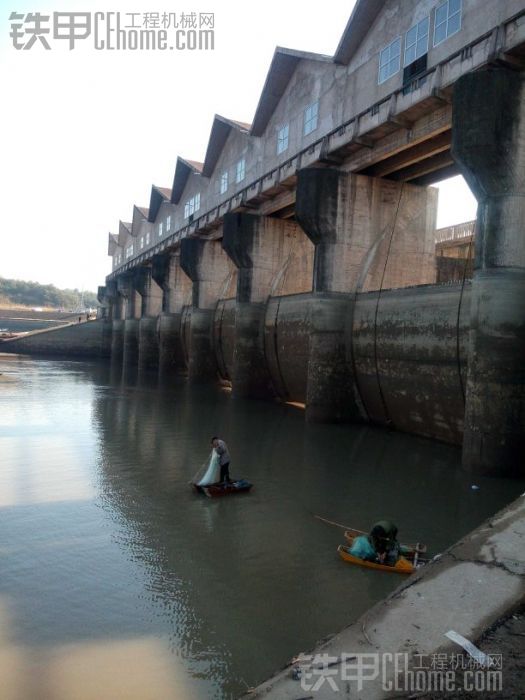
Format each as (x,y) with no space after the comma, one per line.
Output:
(455,233)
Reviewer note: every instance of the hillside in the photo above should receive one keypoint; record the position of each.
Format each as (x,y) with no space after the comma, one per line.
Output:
(18,293)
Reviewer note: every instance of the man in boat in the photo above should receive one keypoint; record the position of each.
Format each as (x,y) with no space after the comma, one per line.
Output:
(383,536)
(380,546)
(224,459)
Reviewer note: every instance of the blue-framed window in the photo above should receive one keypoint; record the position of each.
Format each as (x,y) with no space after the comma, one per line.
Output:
(311,114)
(282,138)
(240,170)
(416,41)
(389,60)
(448,20)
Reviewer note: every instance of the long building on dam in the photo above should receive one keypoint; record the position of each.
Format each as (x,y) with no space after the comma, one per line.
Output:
(298,261)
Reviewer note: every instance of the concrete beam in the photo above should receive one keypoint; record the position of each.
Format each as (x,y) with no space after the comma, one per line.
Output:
(176,293)
(131,304)
(213,277)
(490,151)
(272,256)
(368,234)
(149,290)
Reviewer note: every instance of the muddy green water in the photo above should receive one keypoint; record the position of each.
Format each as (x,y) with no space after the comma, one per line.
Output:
(118,581)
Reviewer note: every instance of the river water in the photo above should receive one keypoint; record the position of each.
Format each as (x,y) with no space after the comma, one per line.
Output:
(118,581)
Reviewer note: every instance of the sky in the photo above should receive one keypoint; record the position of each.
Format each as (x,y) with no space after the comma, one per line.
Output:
(85,133)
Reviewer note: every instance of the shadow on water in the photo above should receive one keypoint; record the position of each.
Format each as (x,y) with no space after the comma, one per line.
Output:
(236,586)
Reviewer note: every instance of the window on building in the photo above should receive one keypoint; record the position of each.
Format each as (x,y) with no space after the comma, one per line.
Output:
(416,42)
(147,238)
(448,20)
(240,170)
(129,251)
(168,224)
(311,114)
(223,183)
(141,242)
(192,205)
(282,138)
(160,229)
(389,60)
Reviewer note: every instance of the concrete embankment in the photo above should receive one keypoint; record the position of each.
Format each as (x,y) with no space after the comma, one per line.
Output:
(470,589)
(88,339)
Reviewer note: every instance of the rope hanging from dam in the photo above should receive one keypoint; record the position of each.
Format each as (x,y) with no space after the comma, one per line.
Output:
(376,312)
(458,344)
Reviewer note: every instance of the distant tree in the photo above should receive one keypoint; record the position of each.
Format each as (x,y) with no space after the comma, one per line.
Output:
(22,293)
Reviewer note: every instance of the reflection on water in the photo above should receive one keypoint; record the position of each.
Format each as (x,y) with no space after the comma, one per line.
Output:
(117,579)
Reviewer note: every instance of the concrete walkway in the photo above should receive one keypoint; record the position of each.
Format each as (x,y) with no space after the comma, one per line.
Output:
(471,587)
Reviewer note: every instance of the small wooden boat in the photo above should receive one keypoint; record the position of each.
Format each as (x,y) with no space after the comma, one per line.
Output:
(217,490)
(407,550)
(402,565)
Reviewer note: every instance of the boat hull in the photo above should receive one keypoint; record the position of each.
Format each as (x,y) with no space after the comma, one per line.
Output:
(220,490)
(402,566)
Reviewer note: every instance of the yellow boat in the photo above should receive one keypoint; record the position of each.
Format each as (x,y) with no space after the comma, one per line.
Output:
(402,565)
(407,550)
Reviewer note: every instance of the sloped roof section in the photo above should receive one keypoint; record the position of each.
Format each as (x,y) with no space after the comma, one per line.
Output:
(112,243)
(124,230)
(282,67)
(158,195)
(361,19)
(183,170)
(139,214)
(220,131)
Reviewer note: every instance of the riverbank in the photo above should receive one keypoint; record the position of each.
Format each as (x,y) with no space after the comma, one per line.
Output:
(16,321)
(476,588)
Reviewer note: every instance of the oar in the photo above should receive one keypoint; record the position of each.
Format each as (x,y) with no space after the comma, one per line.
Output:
(344,527)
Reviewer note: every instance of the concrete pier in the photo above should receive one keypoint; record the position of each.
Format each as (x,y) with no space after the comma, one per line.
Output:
(213,277)
(151,305)
(491,153)
(271,256)
(176,289)
(368,233)
(126,289)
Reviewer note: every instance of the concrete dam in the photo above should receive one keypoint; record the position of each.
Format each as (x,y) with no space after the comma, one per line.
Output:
(298,261)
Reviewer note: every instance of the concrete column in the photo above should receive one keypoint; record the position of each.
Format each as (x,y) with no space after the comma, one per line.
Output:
(176,292)
(105,315)
(151,305)
(259,246)
(368,234)
(115,303)
(489,145)
(208,267)
(131,313)
(104,304)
